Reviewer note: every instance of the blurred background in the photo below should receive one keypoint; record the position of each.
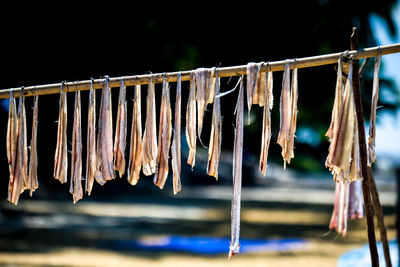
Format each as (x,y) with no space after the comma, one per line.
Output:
(285,215)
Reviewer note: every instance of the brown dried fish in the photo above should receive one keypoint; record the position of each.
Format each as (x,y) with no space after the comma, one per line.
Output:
(104,166)
(237,174)
(214,148)
(150,134)
(288,114)
(61,155)
(135,154)
(190,130)
(374,103)
(120,132)
(253,73)
(266,126)
(164,137)
(176,141)
(12,142)
(91,141)
(76,158)
(33,163)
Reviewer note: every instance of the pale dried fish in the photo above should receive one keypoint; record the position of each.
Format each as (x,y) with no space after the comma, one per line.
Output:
(33,163)
(203,76)
(190,130)
(104,158)
(258,96)
(270,92)
(266,126)
(135,154)
(288,112)
(91,141)
(374,103)
(176,141)
(253,72)
(76,159)
(12,144)
(61,155)
(120,132)
(237,174)
(164,137)
(150,134)
(214,149)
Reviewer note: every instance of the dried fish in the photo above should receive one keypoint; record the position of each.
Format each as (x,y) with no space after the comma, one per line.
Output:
(176,141)
(266,126)
(253,73)
(348,205)
(214,149)
(33,163)
(150,134)
(190,130)
(374,103)
(237,174)
(104,158)
(164,137)
(342,145)
(61,155)
(203,76)
(12,143)
(76,158)
(91,141)
(120,132)
(288,114)
(135,154)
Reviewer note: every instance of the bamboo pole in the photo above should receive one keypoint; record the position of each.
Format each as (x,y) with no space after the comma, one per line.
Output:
(304,62)
(366,188)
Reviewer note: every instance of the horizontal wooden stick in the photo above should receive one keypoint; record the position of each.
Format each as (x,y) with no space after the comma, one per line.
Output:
(305,62)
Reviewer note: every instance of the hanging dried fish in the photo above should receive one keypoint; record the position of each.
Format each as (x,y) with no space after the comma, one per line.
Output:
(135,154)
(344,135)
(214,149)
(258,96)
(120,132)
(348,205)
(253,73)
(91,141)
(266,126)
(288,114)
(76,159)
(61,155)
(12,143)
(150,134)
(237,174)
(190,130)
(164,137)
(374,103)
(33,163)
(176,141)
(203,77)
(104,158)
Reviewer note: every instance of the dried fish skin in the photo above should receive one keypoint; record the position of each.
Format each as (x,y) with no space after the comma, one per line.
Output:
(33,163)
(270,83)
(374,103)
(214,149)
(288,114)
(104,158)
(252,70)
(91,142)
(120,132)
(176,141)
(237,174)
(258,96)
(12,139)
(61,155)
(149,163)
(164,137)
(190,130)
(266,127)
(203,76)
(76,158)
(136,146)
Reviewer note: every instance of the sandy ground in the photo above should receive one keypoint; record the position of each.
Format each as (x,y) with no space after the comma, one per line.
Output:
(58,233)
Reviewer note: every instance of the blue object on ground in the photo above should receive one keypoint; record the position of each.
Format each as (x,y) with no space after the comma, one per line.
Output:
(361,257)
(209,245)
